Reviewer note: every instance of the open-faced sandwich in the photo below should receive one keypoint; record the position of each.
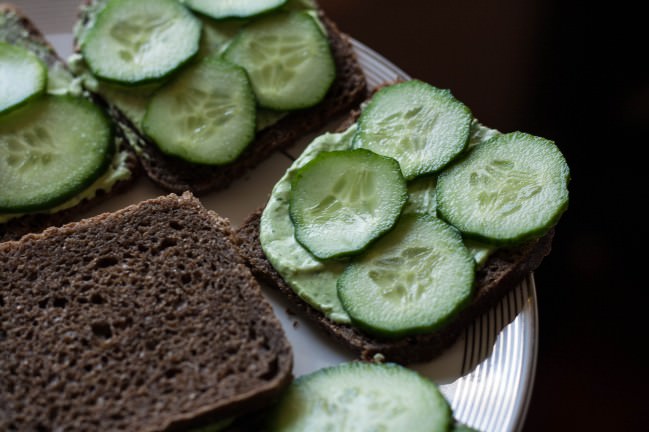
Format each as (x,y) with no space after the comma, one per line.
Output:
(210,89)
(59,150)
(395,233)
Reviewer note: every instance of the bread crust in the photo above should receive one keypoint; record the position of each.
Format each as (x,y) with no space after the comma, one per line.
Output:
(347,91)
(35,222)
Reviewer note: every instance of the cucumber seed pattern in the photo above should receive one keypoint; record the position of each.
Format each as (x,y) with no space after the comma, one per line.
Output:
(404,288)
(136,34)
(28,148)
(277,57)
(203,112)
(501,189)
(342,412)
(409,131)
(352,199)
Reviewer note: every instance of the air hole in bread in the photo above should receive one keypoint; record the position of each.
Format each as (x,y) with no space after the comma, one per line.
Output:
(175,225)
(101,329)
(3,335)
(171,373)
(142,248)
(186,278)
(166,243)
(87,367)
(43,303)
(32,276)
(271,372)
(151,344)
(96,299)
(41,428)
(105,262)
(2,301)
(60,302)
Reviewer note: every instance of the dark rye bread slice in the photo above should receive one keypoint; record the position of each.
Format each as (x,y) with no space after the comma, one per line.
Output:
(502,272)
(145,319)
(346,93)
(19,30)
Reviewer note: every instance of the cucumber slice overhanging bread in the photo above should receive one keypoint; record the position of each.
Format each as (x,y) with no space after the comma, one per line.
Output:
(116,171)
(142,319)
(176,174)
(322,288)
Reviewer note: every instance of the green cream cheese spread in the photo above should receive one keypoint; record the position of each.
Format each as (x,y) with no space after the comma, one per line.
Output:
(312,279)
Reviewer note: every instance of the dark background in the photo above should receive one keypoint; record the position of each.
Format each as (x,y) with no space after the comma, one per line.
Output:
(574,73)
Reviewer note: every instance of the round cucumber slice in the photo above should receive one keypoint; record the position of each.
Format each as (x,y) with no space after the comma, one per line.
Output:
(23,76)
(287,58)
(133,42)
(233,8)
(509,189)
(50,150)
(410,281)
(343,200)
(206,115)
(419,125)
(356,396)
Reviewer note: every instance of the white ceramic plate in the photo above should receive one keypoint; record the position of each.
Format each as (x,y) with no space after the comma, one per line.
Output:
(487,375)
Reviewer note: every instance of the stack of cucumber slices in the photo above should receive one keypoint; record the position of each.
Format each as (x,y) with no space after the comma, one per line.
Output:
(199,78)
(384,225)
(51,146)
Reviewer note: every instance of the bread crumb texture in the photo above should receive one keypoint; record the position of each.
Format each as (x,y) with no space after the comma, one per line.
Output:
(143,319)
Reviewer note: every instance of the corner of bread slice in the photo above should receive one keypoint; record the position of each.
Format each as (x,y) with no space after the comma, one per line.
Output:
(141,319)
(16,28)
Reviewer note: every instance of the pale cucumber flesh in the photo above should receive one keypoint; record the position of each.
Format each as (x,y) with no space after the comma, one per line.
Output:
(136,42)
(509,189)
(357,396)
(341,201)
(206,115)
(233,8)
(419,125)
(412,280)
(287,58)
(23,76)
(50,150)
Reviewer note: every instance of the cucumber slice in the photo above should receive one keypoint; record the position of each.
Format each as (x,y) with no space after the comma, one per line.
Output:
(206,115)
(287,58)
(509,189)
(50,150)
(411,281)
(138,41)
(233,8)
(341,201)
(23,76)
(357,396)
(419,125)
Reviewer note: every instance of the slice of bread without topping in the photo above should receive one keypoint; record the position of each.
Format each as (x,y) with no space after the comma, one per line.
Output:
(176,175)
(17,29)
(144,319)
